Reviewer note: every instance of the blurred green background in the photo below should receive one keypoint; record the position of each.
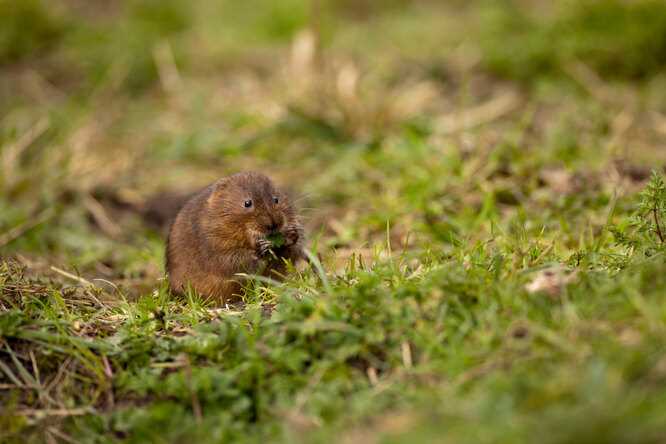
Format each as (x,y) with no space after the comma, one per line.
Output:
(443,154)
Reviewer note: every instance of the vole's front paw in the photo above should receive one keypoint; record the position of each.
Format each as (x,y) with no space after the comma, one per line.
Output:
(292,234)
(263,247)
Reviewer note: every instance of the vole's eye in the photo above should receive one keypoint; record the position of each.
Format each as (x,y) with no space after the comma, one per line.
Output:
(276,200)
(247,203)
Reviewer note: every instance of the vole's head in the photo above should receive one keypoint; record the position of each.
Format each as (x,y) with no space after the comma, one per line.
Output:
(249,203)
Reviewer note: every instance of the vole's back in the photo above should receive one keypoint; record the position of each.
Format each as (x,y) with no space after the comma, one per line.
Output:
(186,242)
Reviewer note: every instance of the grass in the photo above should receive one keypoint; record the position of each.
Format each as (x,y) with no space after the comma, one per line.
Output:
(488,230)
(618,39)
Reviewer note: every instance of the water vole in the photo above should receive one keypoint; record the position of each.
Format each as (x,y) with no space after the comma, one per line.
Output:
(239,224)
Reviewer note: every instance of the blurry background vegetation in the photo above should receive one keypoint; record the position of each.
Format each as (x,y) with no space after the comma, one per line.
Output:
(443,153)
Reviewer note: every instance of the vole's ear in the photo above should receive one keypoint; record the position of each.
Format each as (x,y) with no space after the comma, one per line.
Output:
(217,188)
(221,184)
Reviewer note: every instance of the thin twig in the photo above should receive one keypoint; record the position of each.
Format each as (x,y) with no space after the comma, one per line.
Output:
(72,276)
(56,412)
(196,405)
(108,371)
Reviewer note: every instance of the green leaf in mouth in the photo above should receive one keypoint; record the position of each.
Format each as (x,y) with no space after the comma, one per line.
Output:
(276,239)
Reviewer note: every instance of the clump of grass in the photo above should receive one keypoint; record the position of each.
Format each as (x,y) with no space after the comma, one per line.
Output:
(373,340)
(621,40)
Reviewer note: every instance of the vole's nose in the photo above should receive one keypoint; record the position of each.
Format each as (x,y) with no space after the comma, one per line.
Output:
(272,223)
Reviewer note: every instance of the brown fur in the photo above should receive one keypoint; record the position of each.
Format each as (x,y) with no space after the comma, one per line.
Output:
(214,236)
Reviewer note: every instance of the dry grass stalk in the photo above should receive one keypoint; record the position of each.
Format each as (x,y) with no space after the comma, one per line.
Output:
(487,112)
(99,214)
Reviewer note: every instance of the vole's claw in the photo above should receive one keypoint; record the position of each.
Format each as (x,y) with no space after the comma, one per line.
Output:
(263,247)
(292,234)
